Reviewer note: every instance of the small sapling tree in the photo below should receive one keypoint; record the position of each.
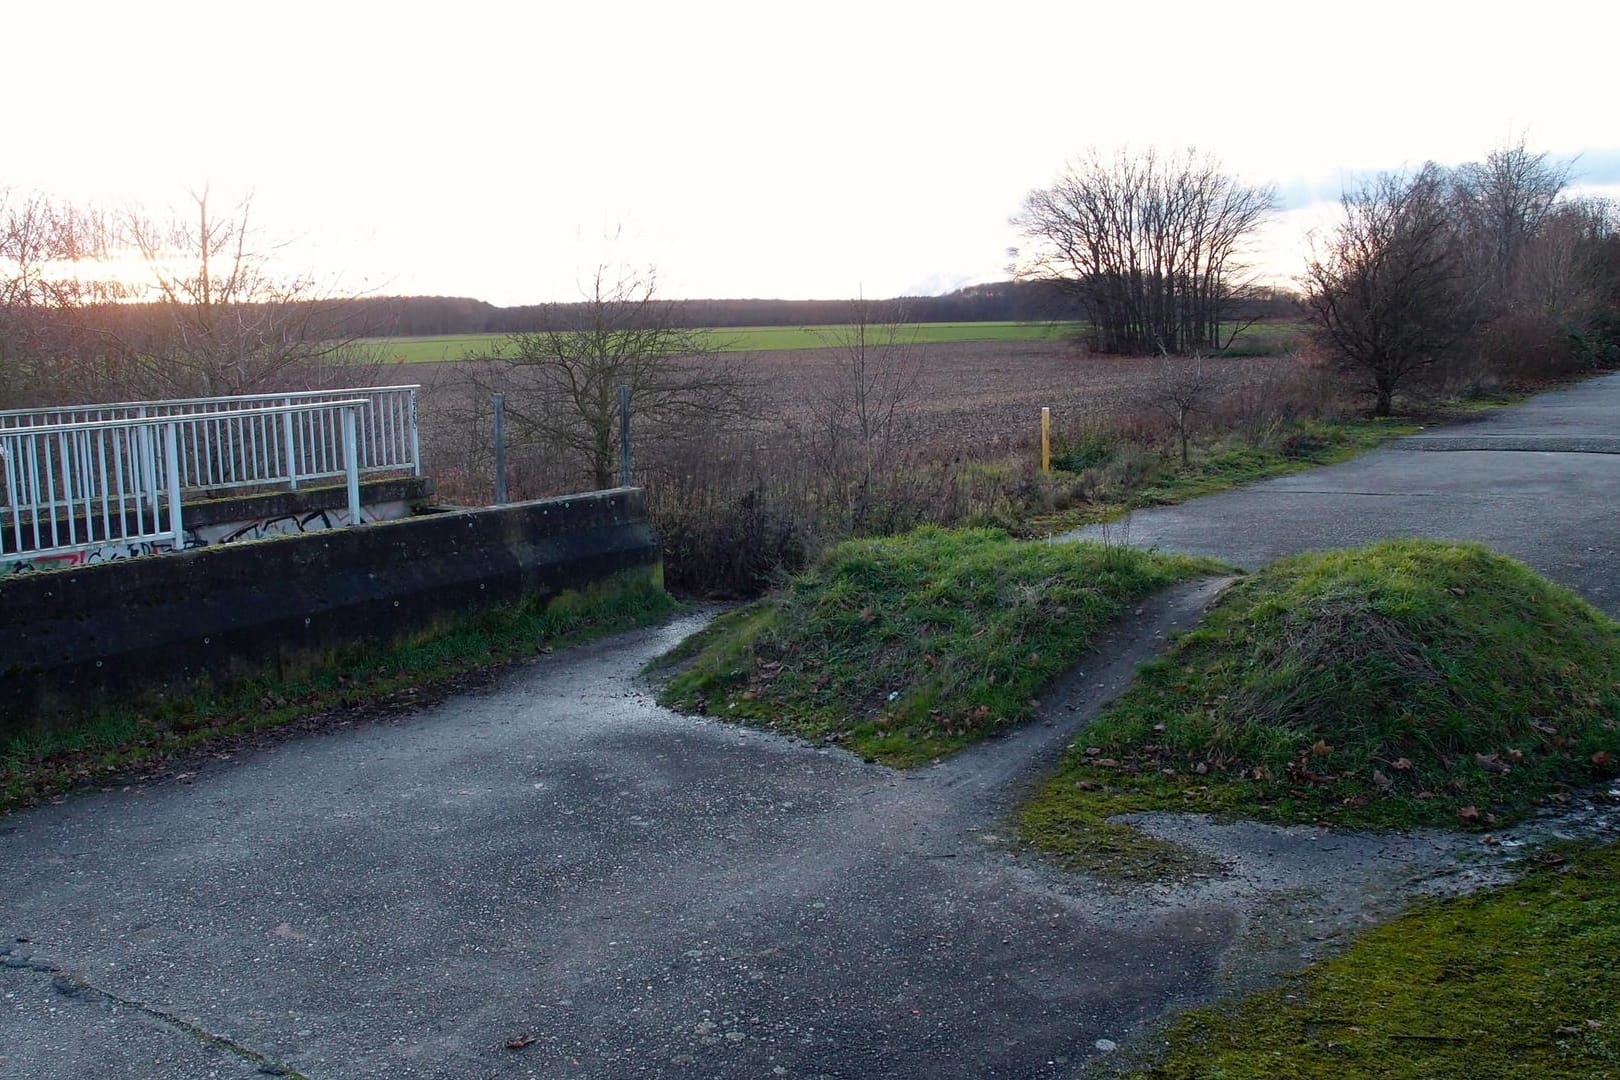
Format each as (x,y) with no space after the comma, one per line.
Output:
(858,417)
(562,381)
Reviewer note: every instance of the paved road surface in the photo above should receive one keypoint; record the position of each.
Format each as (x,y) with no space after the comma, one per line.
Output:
(556,859)
(1538,481)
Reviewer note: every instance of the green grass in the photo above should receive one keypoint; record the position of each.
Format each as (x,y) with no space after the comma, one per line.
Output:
(909,647)
(1513,982)
(53,759)
(1072,827)
(1108,477)
(1407,683)
(1261,339)
(1305,446)
(739,338)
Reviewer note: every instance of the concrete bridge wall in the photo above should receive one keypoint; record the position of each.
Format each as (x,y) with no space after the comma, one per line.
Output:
(75,639)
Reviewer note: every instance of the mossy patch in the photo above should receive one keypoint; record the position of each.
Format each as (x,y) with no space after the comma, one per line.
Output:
(909,647)
(1513,982)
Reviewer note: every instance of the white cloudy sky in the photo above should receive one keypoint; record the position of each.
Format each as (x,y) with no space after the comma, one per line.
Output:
(758,149)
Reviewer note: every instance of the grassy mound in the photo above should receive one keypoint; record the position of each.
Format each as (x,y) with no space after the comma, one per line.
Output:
(1517,981)
(1407,683)
(908,647)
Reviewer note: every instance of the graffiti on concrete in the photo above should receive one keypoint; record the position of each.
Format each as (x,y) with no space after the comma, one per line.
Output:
(285,525)
(105,553)
(210,535)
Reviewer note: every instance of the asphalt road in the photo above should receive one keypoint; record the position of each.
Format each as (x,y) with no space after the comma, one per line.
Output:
(638,893)
(1539,481)
(558,864)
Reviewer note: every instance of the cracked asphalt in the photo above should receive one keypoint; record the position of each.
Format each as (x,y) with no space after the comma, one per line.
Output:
(614,890)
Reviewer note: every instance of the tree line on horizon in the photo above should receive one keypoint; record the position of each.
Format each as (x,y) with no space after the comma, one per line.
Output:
(1000,301)
(1150,252)
(424,316)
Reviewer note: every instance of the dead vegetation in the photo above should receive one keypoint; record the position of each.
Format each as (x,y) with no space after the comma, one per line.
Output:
(876,437)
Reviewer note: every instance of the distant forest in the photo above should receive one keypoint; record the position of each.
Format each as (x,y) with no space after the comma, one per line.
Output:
(349,318)
(1003,301)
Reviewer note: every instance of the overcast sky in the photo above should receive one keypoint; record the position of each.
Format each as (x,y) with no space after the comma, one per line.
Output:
(758,149)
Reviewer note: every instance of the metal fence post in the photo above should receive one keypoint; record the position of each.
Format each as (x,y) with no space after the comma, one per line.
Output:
(416,439)
(291,452)
(500,449)
(149,473)
(624,434)
(351,463)
(171,452)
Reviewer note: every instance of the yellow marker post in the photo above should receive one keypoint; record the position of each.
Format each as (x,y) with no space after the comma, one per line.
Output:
(1046,439)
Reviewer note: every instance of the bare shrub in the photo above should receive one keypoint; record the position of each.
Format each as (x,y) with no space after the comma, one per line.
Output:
(1522,348)
(859,416)
(1184,390)
(733,515)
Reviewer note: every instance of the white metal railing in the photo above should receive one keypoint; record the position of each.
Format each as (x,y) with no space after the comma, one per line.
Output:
(389,438)
(79,485)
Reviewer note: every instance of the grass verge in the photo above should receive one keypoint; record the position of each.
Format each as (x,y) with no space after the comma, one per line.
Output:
(1407,683)
(909,647)
(417,670)
(1101,477)
(1511,982)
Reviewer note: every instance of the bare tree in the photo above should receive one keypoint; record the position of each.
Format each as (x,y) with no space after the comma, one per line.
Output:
(1183,389)
(48,255)
(1554,276)
(1600,253)
(562,382)
(858,413)
(227,322)
(1389,292)
(1502,204)
(1152,246)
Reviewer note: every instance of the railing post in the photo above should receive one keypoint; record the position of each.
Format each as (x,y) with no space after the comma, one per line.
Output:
(416,440)
(149,473)
(291,451)
(171,453)
(351,463)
